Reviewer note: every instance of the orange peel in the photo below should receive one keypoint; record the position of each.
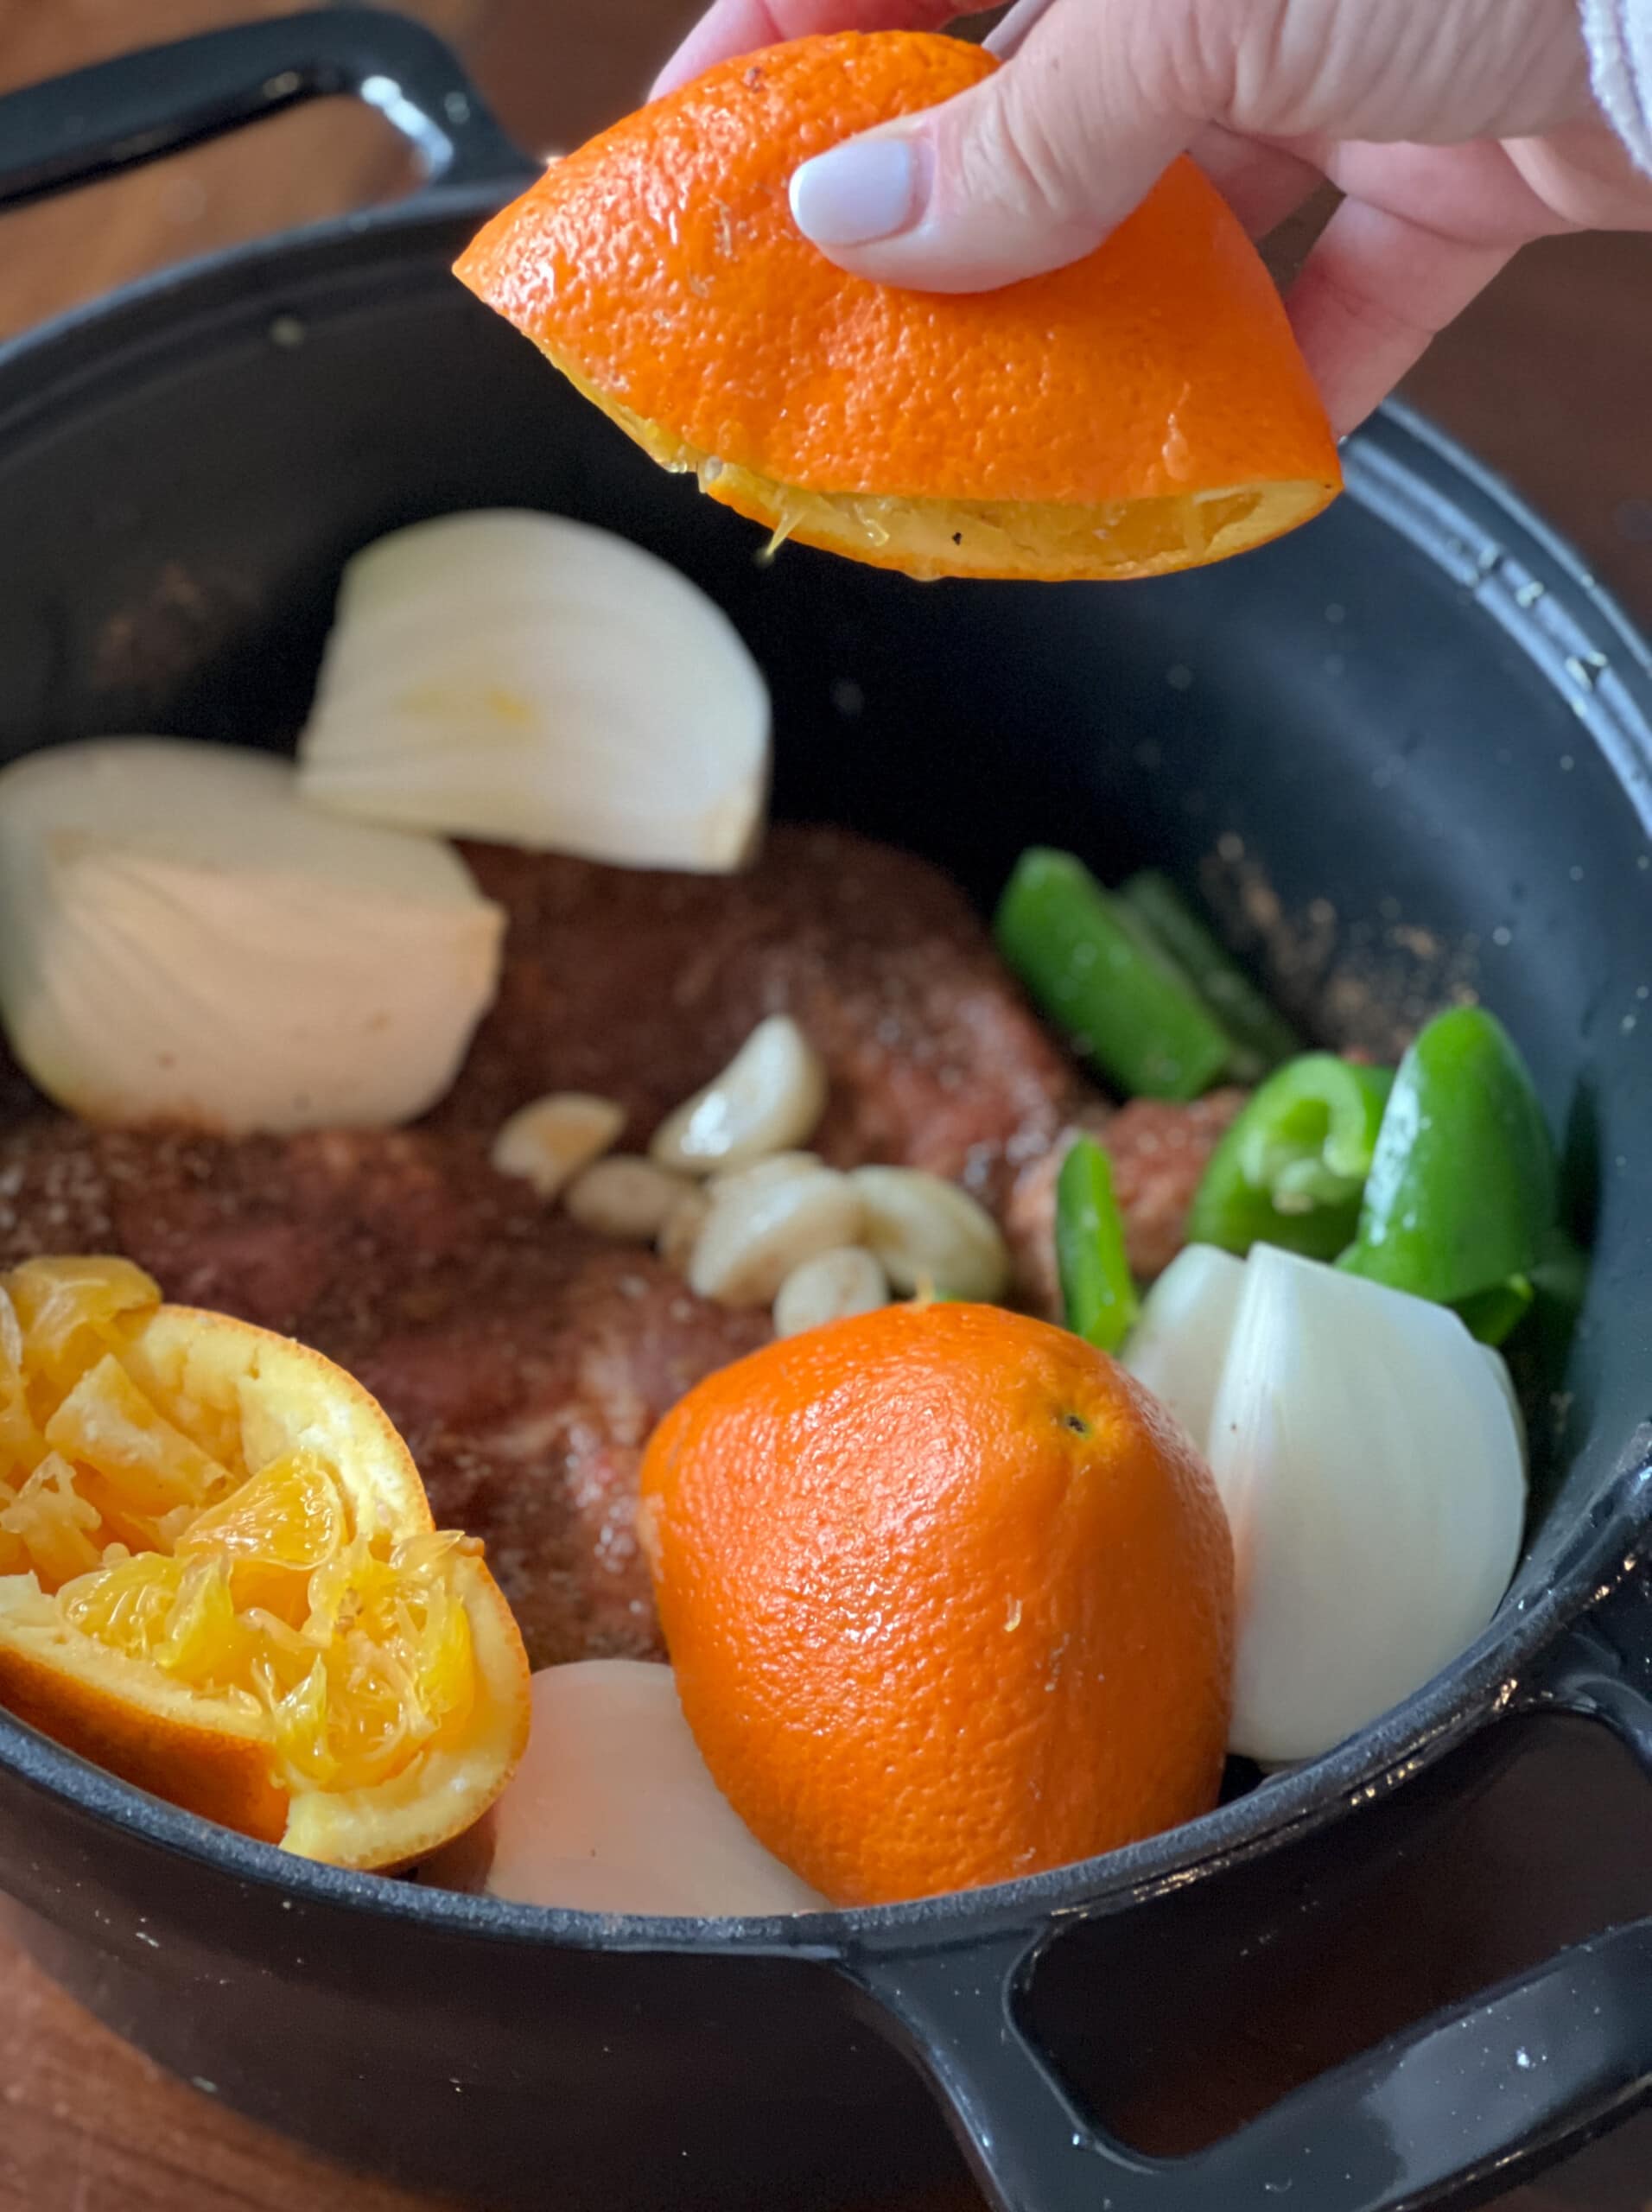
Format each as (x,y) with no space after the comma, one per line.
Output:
(1144,410)
(949,1597)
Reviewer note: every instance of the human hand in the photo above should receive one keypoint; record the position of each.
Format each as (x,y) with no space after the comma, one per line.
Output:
(1457,130)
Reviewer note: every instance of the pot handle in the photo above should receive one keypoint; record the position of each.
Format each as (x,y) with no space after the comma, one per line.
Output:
(1485,2089)
(116,115)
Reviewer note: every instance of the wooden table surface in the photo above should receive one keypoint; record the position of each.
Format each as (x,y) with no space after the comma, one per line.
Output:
(1546,379)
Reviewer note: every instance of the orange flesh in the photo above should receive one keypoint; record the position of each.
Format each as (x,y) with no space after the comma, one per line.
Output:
(348,1651)
(926,538)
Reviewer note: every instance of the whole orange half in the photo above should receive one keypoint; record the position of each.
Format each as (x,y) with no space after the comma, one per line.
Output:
(219,1578)
(1144,410)
(948,1598)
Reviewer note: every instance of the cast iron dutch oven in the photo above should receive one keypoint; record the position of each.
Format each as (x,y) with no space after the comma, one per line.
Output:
(1416,723)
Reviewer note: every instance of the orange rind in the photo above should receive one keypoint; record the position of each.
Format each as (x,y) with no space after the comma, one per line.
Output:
(948,1598)
(1142,410)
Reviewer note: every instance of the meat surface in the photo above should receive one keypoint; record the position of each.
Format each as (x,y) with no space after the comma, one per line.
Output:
(523,1360)
(1158,1151)
(640,986)
(526,1360)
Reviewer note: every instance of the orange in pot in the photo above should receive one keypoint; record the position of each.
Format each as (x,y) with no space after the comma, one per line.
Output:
(1145,409)
(949,1596)
(219,1578)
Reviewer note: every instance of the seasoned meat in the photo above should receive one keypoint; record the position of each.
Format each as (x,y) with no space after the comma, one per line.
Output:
(1158,1151)
(640,986)
(524,1359)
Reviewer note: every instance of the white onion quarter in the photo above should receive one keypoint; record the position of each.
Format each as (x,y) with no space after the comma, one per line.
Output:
(529,679)
(1370,1458)
(612,1810)
(181,940)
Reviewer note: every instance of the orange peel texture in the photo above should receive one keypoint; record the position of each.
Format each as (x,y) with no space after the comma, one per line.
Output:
(1142,410)
(949,1599)
(219,1578)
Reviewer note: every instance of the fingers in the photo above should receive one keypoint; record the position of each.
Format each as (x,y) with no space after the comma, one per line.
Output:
(1025,171)
(1262,184)
(1373,291)
(1478,187)
(735,27)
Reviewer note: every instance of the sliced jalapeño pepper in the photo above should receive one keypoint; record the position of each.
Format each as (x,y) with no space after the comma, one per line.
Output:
(1462,1198)
(1094,970)
(1291,1169)
(1096,1289)
(1262,1037)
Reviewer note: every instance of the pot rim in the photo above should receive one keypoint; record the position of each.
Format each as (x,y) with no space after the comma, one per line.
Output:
(1467,520)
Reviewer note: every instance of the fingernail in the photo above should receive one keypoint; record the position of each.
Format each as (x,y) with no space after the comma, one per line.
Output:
(864,189)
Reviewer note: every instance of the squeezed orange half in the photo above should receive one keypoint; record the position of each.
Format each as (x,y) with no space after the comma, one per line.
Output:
(219,1577)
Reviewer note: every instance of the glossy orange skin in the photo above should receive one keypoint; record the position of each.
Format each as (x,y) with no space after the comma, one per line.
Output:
(949,1596)
(661,264)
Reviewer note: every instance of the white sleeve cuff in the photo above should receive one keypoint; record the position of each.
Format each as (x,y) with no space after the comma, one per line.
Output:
(1619,37)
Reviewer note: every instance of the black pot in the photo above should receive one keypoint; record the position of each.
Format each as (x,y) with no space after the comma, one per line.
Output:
(1417,724)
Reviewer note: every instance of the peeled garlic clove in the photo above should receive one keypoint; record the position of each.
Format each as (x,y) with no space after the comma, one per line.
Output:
(182,940)
(554,1137)
(528,678)
(830,1287)
(612,1810)
(680,1230)
(1374,1479)
(753,1240)
(779,1167)
(768,1099)
(627,1199)
(930,1235)
(1178,1348)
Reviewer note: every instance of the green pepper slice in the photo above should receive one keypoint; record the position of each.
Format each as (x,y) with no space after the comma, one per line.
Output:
(1291,1169)
(1552,1293)
(1494,1314)
(1097,1288)
(1261,1036)
(1463,1193)
(1092,969)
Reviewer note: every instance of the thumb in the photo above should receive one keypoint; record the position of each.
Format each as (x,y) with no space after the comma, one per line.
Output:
(1025,171)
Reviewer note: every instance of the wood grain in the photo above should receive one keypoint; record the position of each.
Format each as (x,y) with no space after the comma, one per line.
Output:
(86,2125)
(1547,378)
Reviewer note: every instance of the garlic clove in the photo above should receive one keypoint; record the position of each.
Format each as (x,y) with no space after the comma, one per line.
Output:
(768,1099)
(1374,1477)
(931,1236)
(1178,1348)
(612,1809)
(182,939)
(680,1230)
(779,1167)
(527,679)
(753,1240)
(830,1287)
(626,1198)
(553,1138)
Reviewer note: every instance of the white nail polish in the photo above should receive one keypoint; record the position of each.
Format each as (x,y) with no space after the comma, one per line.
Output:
(862,190)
